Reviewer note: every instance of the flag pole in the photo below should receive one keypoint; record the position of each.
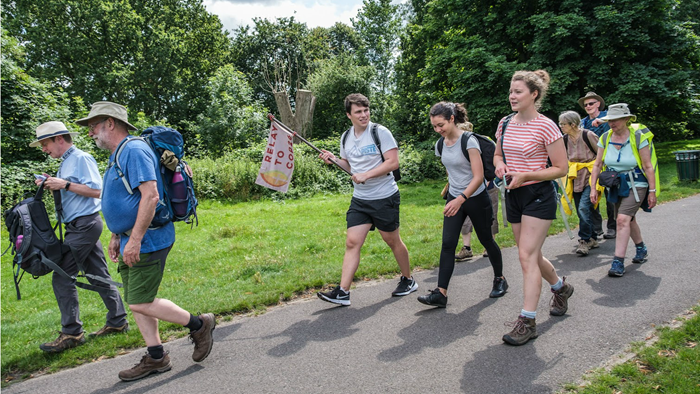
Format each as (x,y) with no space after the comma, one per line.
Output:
(295,134)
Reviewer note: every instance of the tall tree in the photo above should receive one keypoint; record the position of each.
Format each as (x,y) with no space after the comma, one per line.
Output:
(377,24)
(637,52)
(26,103)
(153,56)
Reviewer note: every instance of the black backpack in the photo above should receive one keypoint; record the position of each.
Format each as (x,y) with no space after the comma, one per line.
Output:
(375,137)
(488,149)
(34,244)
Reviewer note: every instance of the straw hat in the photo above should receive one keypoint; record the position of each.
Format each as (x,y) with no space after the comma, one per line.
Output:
(48,130)
(618,111)
(592,95)
(107,108)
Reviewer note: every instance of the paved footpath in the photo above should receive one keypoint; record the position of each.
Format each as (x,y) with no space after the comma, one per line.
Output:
(397,345)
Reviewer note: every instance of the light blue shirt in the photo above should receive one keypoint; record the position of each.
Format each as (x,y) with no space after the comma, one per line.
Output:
(79,167)
(621,159)
(120,208)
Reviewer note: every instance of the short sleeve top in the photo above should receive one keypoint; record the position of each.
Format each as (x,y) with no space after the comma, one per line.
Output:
(525,144)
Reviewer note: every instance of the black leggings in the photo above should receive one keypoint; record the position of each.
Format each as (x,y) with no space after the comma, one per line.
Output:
(479,210)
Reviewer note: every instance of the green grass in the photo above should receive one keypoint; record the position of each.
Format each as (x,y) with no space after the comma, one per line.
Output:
(243,257)
(669,365)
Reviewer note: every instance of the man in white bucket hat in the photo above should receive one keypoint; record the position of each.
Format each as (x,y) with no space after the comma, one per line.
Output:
(79,182)
(139,249)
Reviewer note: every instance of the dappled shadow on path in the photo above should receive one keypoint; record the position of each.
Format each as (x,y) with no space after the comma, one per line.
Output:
(625,291)
(332,324)
(154,382)
(435,328)
(506,369)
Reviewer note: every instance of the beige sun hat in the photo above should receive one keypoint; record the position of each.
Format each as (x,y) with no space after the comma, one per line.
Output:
(618,111)
(107,108)
(592,95)
(48,130)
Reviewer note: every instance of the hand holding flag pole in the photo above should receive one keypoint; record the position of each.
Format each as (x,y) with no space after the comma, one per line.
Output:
(295,134)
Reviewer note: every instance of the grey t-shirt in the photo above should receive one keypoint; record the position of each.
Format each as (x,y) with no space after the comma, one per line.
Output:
(363,155)
(459,169)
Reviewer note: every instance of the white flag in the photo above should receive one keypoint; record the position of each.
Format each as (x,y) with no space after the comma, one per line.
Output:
(278,160)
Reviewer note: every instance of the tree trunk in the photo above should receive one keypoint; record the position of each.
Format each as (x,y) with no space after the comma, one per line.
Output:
(302,118)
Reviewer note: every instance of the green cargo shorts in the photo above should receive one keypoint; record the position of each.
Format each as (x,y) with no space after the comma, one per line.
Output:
(141,281)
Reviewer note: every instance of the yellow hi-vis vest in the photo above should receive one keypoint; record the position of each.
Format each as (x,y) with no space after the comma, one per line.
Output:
(638,134)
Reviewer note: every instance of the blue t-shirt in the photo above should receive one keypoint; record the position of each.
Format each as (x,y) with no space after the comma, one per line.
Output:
(139,164)
(587,123)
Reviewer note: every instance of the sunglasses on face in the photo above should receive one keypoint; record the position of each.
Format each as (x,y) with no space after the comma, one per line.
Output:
(589,104)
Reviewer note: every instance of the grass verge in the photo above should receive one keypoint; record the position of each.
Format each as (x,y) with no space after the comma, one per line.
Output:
(669,362)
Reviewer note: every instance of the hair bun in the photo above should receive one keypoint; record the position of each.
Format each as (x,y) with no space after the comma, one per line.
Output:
(544,75)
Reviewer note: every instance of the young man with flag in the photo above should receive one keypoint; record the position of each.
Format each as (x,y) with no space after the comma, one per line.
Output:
(376,199)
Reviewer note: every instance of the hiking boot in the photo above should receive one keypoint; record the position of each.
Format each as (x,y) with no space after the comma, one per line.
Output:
(560,299)
(464,254)
(617,269)
(593,243)
(611,234)
(599,232)
(108,330)
(524,329)
(406,286)
(434,298)
(582,249)
(641,255)
(203,338)
(145,367)
(63,342)
(336,296)
(500,286)
(486,254)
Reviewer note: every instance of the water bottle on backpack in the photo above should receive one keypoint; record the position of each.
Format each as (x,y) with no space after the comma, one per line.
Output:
(179,190)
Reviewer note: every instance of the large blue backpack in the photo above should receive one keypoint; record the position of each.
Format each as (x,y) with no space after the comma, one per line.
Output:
(177,202)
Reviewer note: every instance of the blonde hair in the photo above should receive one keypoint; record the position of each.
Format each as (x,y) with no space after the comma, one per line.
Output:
(536,81)
(466,126)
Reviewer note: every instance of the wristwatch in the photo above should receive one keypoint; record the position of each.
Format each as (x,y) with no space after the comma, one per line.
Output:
(67,185)
(652,190)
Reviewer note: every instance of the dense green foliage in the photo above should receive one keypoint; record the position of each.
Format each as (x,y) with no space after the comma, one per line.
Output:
(232,119)
(154,57)
(644,53)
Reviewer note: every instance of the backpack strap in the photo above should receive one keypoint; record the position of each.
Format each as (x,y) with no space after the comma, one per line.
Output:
(117,167)
(506,121)
(344,138)
(375,137)
(588,142)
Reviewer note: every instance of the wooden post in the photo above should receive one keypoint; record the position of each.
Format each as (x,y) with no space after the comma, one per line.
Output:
(301,119)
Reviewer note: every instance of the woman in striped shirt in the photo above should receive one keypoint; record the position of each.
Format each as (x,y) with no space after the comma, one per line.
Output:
(525,141)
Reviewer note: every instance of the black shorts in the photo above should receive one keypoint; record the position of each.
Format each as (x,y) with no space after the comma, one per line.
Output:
(382,214)
(538,200)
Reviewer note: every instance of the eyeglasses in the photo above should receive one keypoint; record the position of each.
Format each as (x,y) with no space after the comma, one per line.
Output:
(91,127)
(589,104)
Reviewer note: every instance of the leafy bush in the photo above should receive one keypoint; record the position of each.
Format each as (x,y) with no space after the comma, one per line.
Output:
(18,179)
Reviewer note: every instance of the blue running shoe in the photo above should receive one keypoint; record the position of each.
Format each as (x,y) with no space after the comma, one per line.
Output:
(618,268)
(641,255)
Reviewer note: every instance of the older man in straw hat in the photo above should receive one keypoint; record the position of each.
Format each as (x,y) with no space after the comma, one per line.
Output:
(140,250)
(594,106)
(79,182)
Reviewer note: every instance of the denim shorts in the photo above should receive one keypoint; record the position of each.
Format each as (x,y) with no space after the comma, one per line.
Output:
(537,200)
(382,214)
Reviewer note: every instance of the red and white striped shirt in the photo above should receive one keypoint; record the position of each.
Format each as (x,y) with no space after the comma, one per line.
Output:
(525,145)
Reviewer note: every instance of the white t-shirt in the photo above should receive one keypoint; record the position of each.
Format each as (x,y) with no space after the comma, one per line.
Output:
(459,169)
(363,155)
